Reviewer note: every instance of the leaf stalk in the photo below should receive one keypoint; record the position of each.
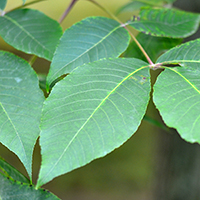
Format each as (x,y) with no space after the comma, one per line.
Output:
(124,26)
(67,11)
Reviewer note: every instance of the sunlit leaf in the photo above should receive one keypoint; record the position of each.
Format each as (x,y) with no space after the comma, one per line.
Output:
(91,39)
(20,107)
(166,22)
(31,32)
(91,112)
(177,90)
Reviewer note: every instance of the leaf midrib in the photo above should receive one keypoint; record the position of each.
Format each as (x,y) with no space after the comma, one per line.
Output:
(84,124)
(6,113)
(85,52)
(192,85)
(24,30)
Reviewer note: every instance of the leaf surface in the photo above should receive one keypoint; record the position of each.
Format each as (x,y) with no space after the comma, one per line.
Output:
(91,112)
(14,190)
(3,4)
(166,22)
(132,6)
(11,172)
(30,31)
(20,107)
(177,90)
(89,40)
(154,46)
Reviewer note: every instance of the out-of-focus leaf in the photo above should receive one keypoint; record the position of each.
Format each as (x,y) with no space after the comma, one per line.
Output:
(89,40)
(177,90)
(94,110)
(15,190)
(132,6)
(31,32)
(20,107)
(3,4)
(170,1)
(11,172)
(166,22)
(154,46)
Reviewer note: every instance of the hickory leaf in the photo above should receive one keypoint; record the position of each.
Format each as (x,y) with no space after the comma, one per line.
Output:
(166,22)
(30,31)
(92,111)
(177,90)
(89,40)
(20,107)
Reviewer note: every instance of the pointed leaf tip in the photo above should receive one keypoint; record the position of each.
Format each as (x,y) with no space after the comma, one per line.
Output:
(89,40)
(91,112)
(40,39)
(20,106)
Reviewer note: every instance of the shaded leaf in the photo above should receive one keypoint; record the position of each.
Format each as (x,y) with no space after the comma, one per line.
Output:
(166,22)
(11,172)
(14,190)
(177,90)
(91,112)
(132,6)
(89,40)
(30,31)
(20,107)
(3,4)
(154,46)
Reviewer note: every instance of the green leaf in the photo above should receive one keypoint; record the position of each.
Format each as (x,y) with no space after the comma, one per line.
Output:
(20,107)
(177,90)
(91,39)
(166,22)
(154,46)
(132,6)
(14,190)
(91,112)
(11,172)
(3,4)
(30,31)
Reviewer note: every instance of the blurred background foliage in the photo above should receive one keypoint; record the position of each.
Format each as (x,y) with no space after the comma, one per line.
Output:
(153,164)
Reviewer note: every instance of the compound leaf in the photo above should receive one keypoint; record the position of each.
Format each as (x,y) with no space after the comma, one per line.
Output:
(94,110)
(89,40)
(177,90)
(166,22)
(30,31)
(20,107)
